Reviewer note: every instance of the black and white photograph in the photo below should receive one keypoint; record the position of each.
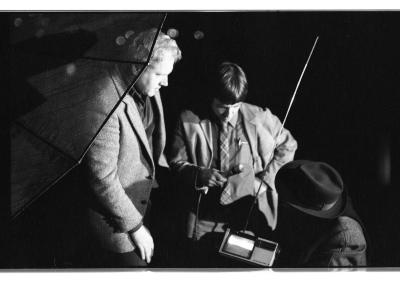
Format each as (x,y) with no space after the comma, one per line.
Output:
(191,140)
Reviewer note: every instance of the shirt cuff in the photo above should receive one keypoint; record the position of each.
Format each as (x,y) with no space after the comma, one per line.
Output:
(137,227)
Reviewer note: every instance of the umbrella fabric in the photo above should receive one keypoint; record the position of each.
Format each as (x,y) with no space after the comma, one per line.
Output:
(62,64)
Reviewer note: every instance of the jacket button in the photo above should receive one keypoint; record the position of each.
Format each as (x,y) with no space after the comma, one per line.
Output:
(143,202)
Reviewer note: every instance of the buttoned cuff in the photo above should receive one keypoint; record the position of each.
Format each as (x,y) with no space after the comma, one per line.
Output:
(137,227)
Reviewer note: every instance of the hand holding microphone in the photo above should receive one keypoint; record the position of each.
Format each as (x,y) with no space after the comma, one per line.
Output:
(213,177)
(210,178)
(235,170)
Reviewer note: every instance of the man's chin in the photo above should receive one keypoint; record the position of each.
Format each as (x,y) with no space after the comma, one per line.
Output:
(153,93)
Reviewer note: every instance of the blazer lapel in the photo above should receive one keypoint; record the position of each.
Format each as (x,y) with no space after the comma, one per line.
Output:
(137,124)
(205,125)
(159,143)
(132,113)
(250,128)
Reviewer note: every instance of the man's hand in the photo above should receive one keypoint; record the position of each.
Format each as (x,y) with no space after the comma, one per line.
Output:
(144,242)
(210,178)
(235,170)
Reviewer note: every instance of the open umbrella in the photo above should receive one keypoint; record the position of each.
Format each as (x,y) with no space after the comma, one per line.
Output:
(56,60)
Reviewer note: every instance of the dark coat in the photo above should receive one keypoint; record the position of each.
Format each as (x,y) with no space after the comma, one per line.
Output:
(308,241)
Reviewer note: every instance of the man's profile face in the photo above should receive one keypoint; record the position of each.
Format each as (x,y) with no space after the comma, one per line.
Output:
(155,76)
(224,111)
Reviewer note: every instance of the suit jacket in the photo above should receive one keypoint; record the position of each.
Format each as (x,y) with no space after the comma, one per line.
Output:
(119,165)
(192,148)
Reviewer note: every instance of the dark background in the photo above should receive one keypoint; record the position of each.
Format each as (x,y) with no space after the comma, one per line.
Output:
(346,109)
(345,112)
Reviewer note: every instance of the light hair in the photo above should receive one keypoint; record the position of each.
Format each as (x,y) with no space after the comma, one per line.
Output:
(139,49)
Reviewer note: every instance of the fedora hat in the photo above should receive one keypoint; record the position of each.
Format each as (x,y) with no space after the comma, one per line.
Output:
(314,188)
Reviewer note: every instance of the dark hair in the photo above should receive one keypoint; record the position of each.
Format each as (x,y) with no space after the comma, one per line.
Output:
(230,83)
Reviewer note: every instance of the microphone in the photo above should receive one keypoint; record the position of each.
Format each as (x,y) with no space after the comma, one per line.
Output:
(235,170)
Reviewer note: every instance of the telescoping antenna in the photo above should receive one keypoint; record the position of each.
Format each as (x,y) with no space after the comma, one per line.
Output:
(281,128)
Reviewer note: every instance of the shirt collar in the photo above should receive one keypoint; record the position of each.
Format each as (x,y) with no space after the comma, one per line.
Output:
(137,96)
(234,120)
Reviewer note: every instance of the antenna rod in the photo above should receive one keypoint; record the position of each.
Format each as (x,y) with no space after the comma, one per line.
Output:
(297,86)
(280,130)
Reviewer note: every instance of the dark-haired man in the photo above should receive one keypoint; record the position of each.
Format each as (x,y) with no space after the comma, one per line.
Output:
(223,156)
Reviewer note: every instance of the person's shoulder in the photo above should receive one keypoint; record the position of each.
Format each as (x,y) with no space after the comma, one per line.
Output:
(256,109)
(349,225)
(103,103)
(348,232)
(189,116)
(257,112)
(253,108)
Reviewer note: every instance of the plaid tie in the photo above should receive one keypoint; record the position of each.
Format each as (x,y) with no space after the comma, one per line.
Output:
(224,147)
(224,160)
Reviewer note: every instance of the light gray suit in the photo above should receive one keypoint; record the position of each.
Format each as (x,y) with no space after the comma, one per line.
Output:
(192,148)
(120,165)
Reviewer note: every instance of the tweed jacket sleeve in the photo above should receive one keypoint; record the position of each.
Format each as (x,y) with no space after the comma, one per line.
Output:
(343,246)
(271,150)
(268,137)
(182,161)
(102,165)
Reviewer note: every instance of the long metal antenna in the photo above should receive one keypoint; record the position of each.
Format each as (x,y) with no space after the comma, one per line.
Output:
(280,130)
(297,86)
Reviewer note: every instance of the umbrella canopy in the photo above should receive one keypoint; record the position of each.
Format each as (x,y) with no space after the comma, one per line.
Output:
(61,66)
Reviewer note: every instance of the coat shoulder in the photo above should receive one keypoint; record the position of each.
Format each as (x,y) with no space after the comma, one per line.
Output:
(188,116)
(346,234)
(257,112)
(253,108)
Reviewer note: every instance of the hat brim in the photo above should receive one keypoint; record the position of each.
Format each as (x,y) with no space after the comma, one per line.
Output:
(331,213)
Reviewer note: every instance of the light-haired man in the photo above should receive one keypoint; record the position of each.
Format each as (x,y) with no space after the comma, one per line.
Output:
(120,165)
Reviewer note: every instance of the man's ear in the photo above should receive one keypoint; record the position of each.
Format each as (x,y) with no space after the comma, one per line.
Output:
(135,69)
